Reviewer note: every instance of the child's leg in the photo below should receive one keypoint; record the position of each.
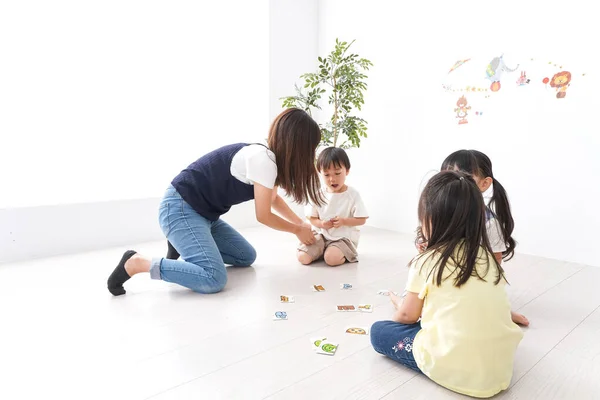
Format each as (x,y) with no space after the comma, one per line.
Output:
(338,252)
(395,341)
(334,256)
(308,254)
(304,257)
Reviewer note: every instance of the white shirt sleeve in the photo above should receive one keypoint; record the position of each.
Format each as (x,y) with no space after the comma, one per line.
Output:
(260,168)
(255,163)
(359,210)
(494,232)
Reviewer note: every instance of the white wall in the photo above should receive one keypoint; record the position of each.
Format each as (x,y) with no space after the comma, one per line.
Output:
(32,232)
(545,150)
(108,101)
(293,51)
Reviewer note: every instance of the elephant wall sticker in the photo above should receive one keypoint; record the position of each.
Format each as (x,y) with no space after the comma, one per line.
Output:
(494,71)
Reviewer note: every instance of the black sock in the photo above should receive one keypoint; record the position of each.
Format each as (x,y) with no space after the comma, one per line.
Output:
(172,254)
(119,276)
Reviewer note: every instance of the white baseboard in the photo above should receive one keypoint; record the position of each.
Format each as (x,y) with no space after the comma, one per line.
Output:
(28,233)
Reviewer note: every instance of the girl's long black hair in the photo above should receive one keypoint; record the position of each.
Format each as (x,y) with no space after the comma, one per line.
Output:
(452,214)
(477,163)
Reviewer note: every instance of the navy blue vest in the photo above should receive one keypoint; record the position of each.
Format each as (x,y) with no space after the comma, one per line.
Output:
(208,186)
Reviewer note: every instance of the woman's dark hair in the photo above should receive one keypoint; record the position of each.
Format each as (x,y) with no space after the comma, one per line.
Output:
(293,138)
(452,212)
(476,163)
(335,156)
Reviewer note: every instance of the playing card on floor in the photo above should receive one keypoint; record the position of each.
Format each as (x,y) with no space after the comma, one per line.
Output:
(287,299)
(318,288)
(327,348)
(316,342)
(365,307)
(280,316)
(357,330)
(348,307)
(345,286)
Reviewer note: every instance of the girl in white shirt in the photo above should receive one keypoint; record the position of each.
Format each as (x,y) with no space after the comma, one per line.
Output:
(499,220)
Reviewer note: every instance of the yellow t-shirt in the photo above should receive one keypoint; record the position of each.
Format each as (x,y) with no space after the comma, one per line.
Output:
(468,341)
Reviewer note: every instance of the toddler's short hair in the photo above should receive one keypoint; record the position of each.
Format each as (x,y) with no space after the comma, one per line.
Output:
(335,156)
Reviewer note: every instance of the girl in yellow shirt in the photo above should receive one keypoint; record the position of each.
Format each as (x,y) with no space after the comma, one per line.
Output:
(454,324)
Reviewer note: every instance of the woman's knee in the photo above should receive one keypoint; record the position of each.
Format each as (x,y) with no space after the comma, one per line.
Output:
(210,285)
(249,257)
(244,259)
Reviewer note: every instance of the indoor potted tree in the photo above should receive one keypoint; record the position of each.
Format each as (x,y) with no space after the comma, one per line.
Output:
(340,76)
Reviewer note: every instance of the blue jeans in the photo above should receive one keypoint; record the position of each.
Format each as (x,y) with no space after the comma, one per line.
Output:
(205,247)
(395,341)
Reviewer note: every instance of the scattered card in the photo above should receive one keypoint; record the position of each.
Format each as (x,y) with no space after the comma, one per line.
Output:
(385,292)
(327,348)
(318,288)
(345,286)
(280,316)
(365,307)
(357,330)
(287,299)
(316,342)
(348,307)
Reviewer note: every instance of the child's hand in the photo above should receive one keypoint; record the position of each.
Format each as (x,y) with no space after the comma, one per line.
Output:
(421,246)
(337,221)
(305,235)
(519,319)
(327,224)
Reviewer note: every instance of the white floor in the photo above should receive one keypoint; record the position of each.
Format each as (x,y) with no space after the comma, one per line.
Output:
(64,336)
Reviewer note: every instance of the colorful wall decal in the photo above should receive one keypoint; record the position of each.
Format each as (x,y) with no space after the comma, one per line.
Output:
(536,77)
(523,80)
(561,82)
(495,70)
(461,110)
(458,64)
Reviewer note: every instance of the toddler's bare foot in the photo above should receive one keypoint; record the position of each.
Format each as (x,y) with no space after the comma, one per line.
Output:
(519,319)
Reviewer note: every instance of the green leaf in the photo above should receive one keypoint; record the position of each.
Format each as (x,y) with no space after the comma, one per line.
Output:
(343,73)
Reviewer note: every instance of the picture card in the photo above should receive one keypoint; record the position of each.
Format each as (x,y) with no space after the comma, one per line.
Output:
(316,342)
(385,292)
(357,330)
(327,348)
(280,316)
(365,307)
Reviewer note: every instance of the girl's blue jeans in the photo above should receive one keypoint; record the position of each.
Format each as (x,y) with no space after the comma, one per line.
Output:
(395,341)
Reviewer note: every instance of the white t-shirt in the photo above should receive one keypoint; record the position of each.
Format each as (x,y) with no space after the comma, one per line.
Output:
(494,232)
(347,204)
(255,163)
